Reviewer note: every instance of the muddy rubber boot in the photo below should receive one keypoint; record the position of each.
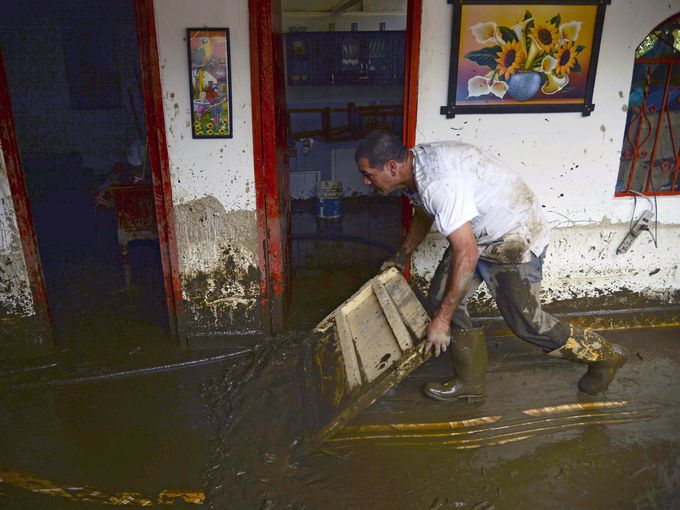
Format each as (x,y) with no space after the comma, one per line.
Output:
(603,359)
(468,351)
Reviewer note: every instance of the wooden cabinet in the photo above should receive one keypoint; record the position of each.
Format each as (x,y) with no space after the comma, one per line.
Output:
(345,58)
(307,59)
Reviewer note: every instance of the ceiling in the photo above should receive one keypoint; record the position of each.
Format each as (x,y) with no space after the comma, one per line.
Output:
(343,6)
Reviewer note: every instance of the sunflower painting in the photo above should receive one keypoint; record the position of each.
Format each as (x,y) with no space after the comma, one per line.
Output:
(512,56)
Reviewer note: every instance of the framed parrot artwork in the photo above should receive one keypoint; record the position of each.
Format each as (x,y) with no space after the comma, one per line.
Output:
(210,82)
(523,57)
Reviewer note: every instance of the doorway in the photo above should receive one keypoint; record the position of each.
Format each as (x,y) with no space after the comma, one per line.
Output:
(80,126)
(344,74)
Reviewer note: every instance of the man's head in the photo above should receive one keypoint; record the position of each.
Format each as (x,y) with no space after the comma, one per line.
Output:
(382,159)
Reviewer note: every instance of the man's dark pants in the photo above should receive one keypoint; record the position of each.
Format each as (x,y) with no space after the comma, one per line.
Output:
(516,289)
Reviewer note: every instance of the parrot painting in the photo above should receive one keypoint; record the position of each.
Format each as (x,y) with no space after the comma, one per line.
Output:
(210,112)
(201,56)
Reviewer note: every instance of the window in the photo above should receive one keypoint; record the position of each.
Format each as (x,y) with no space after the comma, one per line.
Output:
(650,160)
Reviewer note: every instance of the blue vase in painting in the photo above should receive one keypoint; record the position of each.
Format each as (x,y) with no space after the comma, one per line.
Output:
(524,85)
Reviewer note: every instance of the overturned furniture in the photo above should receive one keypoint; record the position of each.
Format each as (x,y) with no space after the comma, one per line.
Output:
(366,346)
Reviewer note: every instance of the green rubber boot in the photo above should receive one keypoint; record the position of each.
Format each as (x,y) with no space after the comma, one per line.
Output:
(468,351)
(603,359)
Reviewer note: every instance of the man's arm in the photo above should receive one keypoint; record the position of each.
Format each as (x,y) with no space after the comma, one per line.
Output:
(464,255)
(417,231)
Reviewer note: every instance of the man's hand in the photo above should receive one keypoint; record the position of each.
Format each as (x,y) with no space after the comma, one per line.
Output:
(438,336)
(397,260)
(417,230)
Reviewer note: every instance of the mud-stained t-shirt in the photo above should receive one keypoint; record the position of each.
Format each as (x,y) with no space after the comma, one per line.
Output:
(457,183)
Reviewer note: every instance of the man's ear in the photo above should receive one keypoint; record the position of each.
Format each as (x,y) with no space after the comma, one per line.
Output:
(392,167)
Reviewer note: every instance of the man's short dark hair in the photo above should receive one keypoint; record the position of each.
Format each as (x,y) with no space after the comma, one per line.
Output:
(380,146)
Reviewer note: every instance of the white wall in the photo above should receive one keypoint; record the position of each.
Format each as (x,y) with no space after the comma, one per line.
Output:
(222,168)
(212,180)
(570,161)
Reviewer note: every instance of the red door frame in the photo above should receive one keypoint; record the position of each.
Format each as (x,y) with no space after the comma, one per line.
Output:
(265,44)
(268,99)
(160,164)
(414,16)
(22,207)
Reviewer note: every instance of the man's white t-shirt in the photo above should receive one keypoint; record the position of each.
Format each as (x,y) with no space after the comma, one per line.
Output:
(457,183)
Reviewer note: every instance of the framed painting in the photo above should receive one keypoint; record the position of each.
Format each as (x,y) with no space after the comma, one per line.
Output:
(523,57)
(210,82)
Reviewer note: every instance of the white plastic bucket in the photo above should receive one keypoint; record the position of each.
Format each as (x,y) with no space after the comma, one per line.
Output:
(328,195)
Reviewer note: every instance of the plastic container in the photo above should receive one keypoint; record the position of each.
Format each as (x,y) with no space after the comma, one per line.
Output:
(328,195)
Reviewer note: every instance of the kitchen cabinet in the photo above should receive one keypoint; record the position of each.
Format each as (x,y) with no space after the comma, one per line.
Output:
(345,58)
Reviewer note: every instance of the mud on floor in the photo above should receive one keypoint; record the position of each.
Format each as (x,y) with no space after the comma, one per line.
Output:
(256,406)
(232,431)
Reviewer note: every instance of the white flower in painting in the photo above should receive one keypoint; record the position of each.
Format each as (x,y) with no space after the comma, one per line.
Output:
(483,85)
(534,51)
(499,88)
(520,27)
(478,86)
(554,84)
(486,33)
(548,64)
(570,31)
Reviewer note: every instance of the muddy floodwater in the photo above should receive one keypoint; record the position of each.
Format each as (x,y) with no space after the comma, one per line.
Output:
(230,430)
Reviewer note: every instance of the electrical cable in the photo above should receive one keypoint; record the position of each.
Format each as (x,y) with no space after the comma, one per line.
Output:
(555,224)
(632,215)
(656,217)
(564,216)
(134,372)
(653,207)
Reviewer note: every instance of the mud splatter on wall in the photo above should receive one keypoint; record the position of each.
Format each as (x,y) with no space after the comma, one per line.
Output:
(581,263)
(15,294)
(218,268)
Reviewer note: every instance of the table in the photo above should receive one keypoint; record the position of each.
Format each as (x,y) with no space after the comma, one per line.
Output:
(135,214)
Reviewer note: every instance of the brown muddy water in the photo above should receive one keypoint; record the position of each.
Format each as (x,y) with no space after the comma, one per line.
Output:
(231,429)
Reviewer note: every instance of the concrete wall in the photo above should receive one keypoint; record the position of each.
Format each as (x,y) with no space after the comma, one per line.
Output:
(212,180)
(22,331)
(570,161)
(16,300)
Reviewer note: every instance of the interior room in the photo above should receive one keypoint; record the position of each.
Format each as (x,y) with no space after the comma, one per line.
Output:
(76,96)
(341,230)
